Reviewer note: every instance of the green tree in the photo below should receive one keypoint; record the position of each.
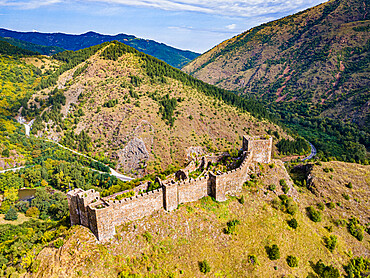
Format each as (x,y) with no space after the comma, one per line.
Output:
(273,252)
(11,214)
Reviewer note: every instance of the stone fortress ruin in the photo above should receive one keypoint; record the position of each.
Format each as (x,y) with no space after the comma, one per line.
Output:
(102,215)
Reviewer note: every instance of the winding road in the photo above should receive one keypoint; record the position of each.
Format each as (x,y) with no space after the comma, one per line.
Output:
(312,154)
(28,128)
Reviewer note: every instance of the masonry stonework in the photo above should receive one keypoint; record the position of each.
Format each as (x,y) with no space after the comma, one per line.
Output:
(101,216)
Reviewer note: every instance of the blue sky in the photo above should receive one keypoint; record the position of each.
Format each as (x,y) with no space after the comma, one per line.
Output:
(196,25)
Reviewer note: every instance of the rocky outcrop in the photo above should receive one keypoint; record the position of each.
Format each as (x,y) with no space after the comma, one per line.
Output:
(133,155)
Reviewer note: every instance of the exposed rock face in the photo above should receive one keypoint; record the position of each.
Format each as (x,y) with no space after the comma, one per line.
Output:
(132,155)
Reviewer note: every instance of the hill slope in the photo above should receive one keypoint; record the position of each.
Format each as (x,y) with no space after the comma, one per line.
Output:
(42,49)
(173,244)
(139,112)
(312,64)
(173,56)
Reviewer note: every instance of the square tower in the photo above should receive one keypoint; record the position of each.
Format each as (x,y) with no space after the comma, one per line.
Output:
(261,147)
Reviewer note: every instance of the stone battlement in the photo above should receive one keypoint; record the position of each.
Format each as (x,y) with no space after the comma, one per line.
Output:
(103,215)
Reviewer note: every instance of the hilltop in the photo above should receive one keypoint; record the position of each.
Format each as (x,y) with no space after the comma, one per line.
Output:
(311,67)
(122,106)
(60,41)
(173,244)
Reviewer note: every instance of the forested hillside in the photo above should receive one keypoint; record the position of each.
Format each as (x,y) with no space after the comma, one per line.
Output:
(41,49)
(136,112)
(312,68)
(170,55)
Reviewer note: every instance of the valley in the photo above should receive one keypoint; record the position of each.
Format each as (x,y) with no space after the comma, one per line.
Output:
(250,161)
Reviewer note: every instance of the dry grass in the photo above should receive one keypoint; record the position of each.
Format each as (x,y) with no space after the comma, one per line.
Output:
(213,124)
(194,232)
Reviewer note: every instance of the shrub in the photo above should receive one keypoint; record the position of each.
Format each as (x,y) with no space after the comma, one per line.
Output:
(329,228)
(331,242)
(231,226)
(253,259)
(345,196)
(340,222)
(33,212)
(292,261)
(293,223)
(58,243)
(325,271)
(355,229)
(272,187)
(313,214)
(357,267)
(204,267)
(22,206)
(11,214)
(5,153)
(285,204)
(330,205)
(241,200)
(320,206)
(273,252)
(349,185)
(148,236)
(284,186)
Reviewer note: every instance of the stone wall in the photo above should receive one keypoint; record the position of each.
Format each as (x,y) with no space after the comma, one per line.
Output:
(103,215)
(192,190)
(261,146)
(231,182)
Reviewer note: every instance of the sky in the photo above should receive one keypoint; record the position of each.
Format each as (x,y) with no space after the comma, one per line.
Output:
(195,25)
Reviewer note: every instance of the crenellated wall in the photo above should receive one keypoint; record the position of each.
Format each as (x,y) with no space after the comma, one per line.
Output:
(103,215)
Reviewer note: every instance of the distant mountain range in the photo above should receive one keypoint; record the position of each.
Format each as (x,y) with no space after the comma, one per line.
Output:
(173,56)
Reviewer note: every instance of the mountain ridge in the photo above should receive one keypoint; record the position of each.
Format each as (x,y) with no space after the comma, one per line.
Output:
(171,55)
(311,68)
(122,104)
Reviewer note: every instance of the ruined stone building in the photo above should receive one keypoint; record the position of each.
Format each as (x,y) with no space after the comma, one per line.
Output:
(102,216)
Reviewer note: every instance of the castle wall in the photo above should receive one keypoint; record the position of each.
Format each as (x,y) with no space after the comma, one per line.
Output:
(136,207)
(262,148)
(83,200)
(231,182)
(73,206)
(192,190)
(103,215)
(170,197)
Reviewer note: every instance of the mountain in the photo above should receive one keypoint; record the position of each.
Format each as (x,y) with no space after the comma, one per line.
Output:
(138,112)
(311,67)
(41,49)
(173,56)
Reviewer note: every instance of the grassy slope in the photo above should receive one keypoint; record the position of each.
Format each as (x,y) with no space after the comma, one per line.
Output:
(310,57)
(193,232)
(213,123)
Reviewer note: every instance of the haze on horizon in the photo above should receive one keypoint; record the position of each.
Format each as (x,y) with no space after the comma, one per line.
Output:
(195,25)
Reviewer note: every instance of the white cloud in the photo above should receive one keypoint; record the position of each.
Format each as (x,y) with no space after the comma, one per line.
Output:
(238,8)
(241,8)
(33,4)
(231,26)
